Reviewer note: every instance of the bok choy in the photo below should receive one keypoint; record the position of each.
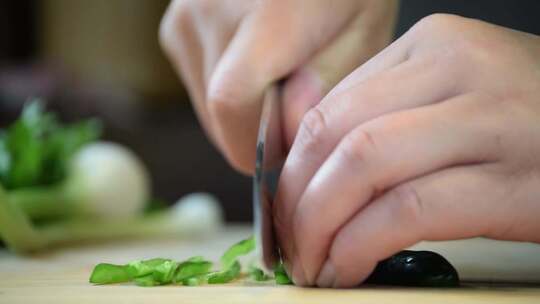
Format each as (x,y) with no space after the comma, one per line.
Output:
(59,183)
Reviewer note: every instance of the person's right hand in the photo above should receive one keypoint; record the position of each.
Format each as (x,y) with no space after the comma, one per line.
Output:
(229,51)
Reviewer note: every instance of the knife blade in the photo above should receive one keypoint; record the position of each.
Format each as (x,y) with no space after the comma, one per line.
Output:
(268,163)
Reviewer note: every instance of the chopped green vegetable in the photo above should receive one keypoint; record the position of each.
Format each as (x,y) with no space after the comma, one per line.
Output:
(241,248)
(164,272)
(195,280)
(108,273)
(146,281)
(281,275)
(142,268)
(191,272)
(257,274)
(197,258)
(191,268)
(225,276)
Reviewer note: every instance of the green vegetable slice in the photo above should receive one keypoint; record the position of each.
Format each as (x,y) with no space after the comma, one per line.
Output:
(244,247)
(281,276)
(146,281)
(196,280)
(192,268)
(225,276)
(258,274)
(105,273)
(164,272)
(192,272)
(143,268)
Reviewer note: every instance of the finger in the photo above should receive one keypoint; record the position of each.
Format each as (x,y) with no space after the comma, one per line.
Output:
(409,84)
(216,23)
(379,155)
(268,45)
(455,203)
(366,35)
(181,44)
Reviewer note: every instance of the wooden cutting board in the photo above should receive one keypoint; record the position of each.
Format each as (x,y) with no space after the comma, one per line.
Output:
(61,276)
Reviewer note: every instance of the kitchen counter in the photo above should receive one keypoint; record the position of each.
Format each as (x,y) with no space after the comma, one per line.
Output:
(61,276)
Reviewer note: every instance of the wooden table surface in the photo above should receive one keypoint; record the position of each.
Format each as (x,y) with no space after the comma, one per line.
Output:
(61,276)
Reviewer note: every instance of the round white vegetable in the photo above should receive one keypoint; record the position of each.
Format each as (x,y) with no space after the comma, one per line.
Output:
(199,211)
(110,180)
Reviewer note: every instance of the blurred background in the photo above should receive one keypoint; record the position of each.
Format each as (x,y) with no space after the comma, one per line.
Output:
(101,58)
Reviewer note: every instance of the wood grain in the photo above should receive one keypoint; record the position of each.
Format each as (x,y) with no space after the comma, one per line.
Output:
(61,276)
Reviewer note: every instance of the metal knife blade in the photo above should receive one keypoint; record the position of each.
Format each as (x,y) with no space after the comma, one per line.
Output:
(268,163)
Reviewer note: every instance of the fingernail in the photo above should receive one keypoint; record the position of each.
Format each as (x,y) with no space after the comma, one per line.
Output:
(327,276)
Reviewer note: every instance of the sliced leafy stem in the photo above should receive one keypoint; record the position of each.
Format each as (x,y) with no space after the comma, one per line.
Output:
(192,268)
(241,248)
(225,276)
(105,273)
(258,274)
(281,276)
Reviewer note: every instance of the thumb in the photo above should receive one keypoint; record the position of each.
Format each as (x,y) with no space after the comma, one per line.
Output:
(269,44)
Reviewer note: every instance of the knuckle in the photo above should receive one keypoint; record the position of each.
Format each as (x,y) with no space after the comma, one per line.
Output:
(223,101)
(357,146)
(204,8)
(177,18)
(312,129)
(435,23)
(408,207)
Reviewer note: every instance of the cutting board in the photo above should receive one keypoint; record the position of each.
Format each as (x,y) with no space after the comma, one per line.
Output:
(61,276)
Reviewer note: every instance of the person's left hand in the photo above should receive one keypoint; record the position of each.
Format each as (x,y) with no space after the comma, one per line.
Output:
(435,138)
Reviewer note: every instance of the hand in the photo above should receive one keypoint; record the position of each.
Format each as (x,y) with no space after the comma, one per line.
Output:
(229,51)
(435,138)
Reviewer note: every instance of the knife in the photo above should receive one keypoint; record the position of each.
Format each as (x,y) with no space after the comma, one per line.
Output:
(268,163)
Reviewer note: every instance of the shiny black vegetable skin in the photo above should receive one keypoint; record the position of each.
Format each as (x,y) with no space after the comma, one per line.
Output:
(415,268)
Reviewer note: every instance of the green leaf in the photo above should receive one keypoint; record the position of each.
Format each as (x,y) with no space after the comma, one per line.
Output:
(197,258)
(225,276)
(105,273)
(281,276)
(164,272)
(143,268)
(241,248)
(146,281)
(195,280)
(192,268)
(36,148)
(258,274)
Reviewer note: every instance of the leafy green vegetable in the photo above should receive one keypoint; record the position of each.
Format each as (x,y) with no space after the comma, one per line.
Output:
(257,274)
(165,272)
(191,272)
(36,149)
(143,268)
(192,268)
(225,276)
(146,281)
(241,248)
(109,273)
(16,230)
(195,280)
(281,275)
